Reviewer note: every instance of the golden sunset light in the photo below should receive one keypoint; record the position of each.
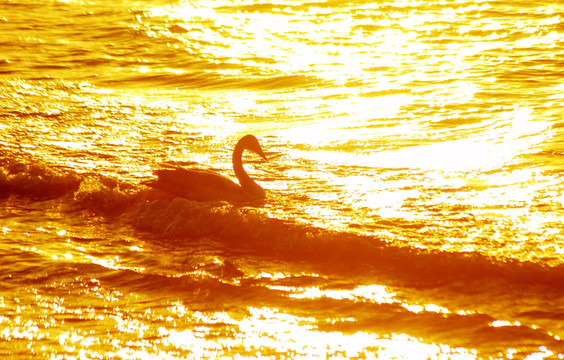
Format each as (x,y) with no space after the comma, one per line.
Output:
(281,180)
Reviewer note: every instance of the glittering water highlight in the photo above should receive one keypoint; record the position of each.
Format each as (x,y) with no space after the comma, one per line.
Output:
(414,191)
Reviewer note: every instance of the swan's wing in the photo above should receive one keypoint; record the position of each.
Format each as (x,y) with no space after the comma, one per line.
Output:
(194,178)
(196,184)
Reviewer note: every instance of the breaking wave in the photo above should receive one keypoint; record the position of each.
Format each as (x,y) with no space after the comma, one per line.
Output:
(247,228)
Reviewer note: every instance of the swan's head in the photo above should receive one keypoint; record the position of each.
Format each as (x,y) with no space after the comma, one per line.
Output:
(251,143)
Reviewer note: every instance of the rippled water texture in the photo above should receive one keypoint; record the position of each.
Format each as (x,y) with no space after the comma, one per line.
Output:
(415,200)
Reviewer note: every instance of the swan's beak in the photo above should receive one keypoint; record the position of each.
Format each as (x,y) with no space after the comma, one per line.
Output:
(262,154)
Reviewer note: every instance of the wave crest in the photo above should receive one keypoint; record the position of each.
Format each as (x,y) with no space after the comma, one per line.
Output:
(252,231)
(35,181)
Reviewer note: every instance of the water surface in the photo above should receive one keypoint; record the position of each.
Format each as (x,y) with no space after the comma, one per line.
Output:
(415,195)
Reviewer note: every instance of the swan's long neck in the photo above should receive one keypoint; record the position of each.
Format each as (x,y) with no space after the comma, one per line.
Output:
(245,180)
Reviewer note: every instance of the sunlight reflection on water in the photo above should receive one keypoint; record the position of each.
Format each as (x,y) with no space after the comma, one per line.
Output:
(268,332)
(431,126)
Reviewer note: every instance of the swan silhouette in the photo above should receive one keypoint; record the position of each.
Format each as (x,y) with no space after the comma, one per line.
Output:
(203,185)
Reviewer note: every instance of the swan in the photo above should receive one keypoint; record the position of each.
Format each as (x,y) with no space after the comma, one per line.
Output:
(203,185)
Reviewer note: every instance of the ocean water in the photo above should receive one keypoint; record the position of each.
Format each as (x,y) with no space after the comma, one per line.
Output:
(415,197)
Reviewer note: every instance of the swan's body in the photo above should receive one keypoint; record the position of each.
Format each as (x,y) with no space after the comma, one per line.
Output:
(202,185)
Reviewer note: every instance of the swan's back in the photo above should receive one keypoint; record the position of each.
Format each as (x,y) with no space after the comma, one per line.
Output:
(199,185)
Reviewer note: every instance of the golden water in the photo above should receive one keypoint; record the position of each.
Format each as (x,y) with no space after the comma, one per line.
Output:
(415,196)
